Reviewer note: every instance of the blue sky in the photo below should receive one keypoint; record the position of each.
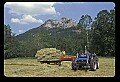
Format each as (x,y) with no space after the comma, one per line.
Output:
(23,16)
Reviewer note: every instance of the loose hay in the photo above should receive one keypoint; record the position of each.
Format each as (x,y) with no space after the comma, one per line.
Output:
(48,54)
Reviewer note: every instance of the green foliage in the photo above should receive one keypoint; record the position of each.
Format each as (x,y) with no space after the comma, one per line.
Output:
(11,44)
(62,39)
(104,33)
(85,21)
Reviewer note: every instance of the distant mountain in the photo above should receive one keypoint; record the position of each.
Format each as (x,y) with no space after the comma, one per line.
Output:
(63,23)
(63,35)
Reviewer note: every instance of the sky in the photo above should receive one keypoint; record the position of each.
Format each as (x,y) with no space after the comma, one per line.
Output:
(23,16)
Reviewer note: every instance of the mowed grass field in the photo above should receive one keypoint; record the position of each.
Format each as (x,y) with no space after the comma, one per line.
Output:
(29,67)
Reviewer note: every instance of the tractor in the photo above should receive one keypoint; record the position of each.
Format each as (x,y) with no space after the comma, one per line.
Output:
(85,60)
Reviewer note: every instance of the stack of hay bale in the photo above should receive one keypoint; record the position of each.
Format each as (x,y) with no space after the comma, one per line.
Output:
(47,54)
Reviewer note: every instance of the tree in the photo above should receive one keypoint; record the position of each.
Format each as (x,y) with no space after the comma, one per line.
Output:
(11,44)
(103,33)
(85,23)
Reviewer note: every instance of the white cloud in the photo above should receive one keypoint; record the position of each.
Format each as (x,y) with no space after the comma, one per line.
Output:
(58,13)
(20,31)
(15,20)
(26,19)
(59,2)
(31,8)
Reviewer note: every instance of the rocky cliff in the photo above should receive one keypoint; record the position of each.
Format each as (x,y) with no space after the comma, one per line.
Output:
(63,23)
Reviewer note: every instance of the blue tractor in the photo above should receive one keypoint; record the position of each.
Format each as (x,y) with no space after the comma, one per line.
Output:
(85,60)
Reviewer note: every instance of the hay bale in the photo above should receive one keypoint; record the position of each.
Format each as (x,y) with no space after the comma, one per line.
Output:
(48,54)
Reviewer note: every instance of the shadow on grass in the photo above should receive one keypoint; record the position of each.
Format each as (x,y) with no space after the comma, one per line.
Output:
(84,69)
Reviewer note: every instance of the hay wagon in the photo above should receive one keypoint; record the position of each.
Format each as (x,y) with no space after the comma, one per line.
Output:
(58,61)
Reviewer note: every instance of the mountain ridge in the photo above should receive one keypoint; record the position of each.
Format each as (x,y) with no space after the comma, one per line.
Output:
(64,22)
(62,38)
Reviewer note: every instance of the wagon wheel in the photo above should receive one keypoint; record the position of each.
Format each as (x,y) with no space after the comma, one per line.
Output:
(41,62)
(48,62)
(59,63)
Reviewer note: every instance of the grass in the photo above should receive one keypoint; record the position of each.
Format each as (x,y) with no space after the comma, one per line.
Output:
(29,67)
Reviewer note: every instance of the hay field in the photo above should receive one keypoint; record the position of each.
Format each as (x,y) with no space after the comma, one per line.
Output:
(29,67)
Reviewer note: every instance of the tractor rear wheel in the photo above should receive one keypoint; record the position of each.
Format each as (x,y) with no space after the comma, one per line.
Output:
(97,62)
(93,65)
(97,65)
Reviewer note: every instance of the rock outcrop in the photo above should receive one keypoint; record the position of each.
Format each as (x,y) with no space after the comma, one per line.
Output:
(63,23)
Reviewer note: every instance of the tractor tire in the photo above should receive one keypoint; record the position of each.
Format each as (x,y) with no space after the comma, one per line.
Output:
(97,65)
(97,62)
(74,65)
(93,65)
